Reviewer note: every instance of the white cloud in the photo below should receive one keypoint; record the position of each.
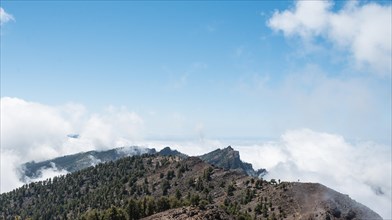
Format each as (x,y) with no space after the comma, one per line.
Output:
(181,79)
(363,30)
(5,17)
(115,127)
(48,173)
(356,169)
(33,131)
(9,170)
(312,98)
(307,19)
(28,126)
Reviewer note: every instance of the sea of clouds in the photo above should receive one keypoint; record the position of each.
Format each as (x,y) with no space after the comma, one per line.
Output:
(33,131)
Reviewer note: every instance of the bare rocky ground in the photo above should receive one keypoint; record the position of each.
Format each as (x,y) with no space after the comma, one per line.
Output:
(192,213)
(276,200)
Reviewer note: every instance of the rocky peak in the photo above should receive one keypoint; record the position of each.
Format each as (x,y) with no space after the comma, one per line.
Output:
(167,151)
(228,158)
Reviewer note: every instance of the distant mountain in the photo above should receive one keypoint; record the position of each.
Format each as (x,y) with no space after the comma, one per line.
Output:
(76,162)
(228,158)
(152,186)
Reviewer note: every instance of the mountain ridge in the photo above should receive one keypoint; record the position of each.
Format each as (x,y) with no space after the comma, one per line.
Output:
(170,187)
(227,158)
(75,162)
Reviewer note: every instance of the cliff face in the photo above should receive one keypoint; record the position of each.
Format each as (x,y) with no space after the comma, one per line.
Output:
(228,158)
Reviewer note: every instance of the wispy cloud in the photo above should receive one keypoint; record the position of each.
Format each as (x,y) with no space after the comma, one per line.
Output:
(213,26)
(5,17)
(179,80)
(364,30)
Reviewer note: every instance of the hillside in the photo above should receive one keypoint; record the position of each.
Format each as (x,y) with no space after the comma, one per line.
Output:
(169,187)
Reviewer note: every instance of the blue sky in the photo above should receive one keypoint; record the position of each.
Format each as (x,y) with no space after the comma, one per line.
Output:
(124,47)
(301,88)
(220,68)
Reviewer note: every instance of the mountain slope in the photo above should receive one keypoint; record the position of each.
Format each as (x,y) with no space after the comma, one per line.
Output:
(143,186)
(211,212)
(76,162)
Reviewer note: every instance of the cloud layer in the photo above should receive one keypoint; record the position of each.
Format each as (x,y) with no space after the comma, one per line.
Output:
(362,29)
(33,131)
(5,17)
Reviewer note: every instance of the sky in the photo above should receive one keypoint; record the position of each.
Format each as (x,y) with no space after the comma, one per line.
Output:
(290,84)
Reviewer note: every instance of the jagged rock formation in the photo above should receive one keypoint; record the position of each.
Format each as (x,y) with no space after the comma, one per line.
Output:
(228,158)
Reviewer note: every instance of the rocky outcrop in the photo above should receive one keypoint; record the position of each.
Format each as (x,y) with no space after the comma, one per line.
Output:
(167,151)
(228,158)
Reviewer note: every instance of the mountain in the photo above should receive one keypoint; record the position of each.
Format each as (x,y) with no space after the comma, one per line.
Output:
(228,158)
(152,186)
(76,162)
